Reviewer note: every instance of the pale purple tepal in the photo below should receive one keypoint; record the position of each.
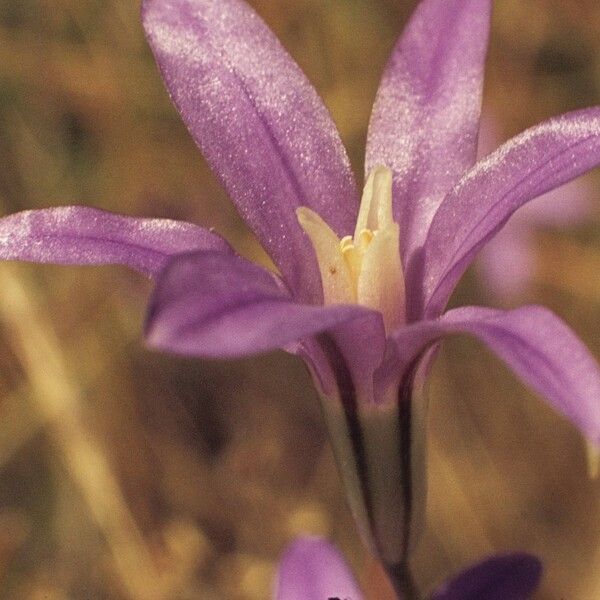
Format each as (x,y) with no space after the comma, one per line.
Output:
(507,265)
(313,569)
(361,287)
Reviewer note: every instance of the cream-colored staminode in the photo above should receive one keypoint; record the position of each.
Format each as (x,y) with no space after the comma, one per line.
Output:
(364,268)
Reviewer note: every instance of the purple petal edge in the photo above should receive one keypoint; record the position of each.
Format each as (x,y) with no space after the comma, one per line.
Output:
(259,123)
(426,115)
(213,305)
(537,345)
(507,263)
(536,161)
(78,235)
(513,576)
(312,569)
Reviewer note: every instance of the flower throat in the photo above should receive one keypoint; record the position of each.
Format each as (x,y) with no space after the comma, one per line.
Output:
(364,268)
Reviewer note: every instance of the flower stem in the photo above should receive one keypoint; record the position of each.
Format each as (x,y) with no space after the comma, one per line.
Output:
(403,581)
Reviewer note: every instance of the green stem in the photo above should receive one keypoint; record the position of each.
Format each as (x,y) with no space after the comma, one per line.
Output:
(403,582)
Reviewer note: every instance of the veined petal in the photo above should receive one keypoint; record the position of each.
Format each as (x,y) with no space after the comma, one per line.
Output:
(534,162)
(504,577)
(507,262)
(345,360)
(259,123)
(535,344)
(360,345)
(568,204)
(312,569)
(78,235)
(426,114)
(213,305)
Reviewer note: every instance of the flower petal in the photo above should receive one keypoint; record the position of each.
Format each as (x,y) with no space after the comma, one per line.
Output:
(360,344)
(535,344)
(213,305)
(312,569)
(534,162)
(566,205)
(425,119)
(259,123)
(504,577)
(78,235)
(345,360)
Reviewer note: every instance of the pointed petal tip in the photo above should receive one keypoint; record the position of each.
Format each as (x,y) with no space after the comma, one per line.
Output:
(80,235)
(313,569)
(259,123)
(425,117)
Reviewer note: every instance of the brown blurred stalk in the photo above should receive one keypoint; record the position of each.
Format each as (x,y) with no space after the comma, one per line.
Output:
(55,398)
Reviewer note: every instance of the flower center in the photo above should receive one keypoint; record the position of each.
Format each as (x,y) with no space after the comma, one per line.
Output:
(364,268)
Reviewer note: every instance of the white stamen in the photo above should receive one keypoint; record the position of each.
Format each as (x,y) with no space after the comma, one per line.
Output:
(338,287)
(364,268)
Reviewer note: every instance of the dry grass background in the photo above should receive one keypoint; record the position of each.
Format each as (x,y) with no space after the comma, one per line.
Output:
(128,474)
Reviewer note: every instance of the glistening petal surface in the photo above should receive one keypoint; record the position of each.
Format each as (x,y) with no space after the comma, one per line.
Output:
(426,114)
(507,262)
(569,204)
(312,569)
(535,344)
(213,305)
(78,235)
(259,123)
(532,163)
(504,577)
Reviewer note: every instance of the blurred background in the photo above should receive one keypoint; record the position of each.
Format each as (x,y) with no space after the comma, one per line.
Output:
(129,474)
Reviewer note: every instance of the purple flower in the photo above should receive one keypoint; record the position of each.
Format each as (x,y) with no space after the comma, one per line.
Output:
(360,288)
(313,569)
(507,263)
